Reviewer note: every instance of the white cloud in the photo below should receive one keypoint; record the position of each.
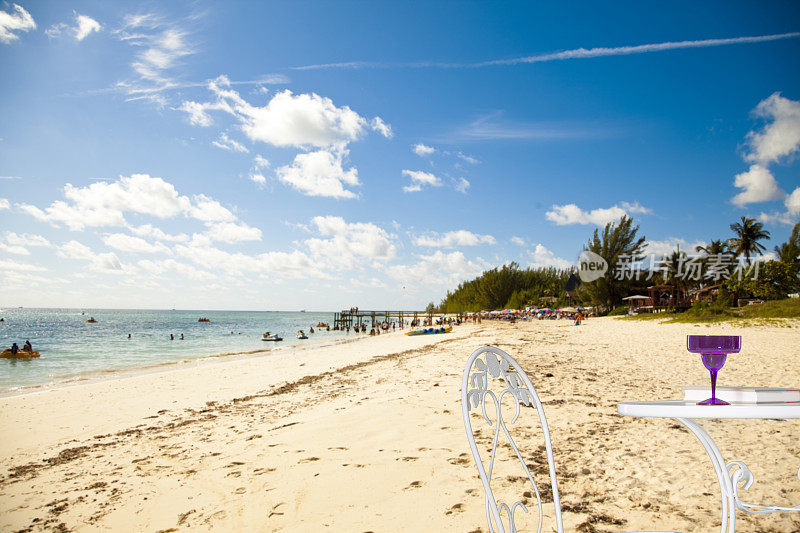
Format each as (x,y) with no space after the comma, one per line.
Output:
(776,218)
(16,20)
(462,185)
(231,232)
(14,249)
(15,243)
(451,239)
(420,178)
(518,241)
(198,113)
(129,243)
(9,264)
(229,144)
(780,137)
(162,52)
(542,257)
(293,264)
(346,243)
(256,176)
(320,174)
(103,203)
(107,262)
(4,204)
(423,150)
(26,239)
(577,53)
(572,214)
(793,202)
(84,26)
(667,246)
(635,208)
(468,158)
(790,216)
(302,120)
(75,250)
(209,210)
(759,186)
(148,230)
(159,46)
(182,269)
(381,127)
(439,268)
(104,262)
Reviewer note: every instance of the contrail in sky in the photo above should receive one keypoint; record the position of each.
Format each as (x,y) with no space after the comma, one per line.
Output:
(577,53)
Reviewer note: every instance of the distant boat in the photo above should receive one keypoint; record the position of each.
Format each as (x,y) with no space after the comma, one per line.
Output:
(302,310)
(268,337)
(301,335)
(204,319)
(91,321)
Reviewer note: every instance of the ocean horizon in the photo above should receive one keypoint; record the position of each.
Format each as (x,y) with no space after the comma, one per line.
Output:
(72,348)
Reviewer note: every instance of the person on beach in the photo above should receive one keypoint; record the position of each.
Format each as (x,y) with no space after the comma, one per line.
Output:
(27,347)
(14,349)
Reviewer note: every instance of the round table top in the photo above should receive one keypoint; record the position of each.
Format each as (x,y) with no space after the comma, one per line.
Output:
(681,409)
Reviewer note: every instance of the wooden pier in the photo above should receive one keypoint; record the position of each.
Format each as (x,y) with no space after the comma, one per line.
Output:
(351,318)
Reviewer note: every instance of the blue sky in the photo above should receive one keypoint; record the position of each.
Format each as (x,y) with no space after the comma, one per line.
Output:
(320,155)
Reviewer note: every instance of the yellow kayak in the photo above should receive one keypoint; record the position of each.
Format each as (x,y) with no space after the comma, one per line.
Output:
(20,354)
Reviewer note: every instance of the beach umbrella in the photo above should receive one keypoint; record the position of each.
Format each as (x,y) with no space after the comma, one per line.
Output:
(568,310)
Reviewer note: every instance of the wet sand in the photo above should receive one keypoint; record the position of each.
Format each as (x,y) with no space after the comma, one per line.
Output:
(368,436)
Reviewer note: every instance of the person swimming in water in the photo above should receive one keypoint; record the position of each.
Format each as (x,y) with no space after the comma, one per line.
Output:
(171,337)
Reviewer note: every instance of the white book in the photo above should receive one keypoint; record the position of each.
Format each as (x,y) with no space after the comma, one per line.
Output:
(742,394)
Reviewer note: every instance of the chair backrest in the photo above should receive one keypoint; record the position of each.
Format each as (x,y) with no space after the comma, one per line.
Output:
(476,386)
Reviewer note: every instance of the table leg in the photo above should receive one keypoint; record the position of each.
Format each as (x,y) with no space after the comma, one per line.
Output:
(725,484)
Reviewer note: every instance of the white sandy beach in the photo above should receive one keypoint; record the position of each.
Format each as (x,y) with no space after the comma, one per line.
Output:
(368,436)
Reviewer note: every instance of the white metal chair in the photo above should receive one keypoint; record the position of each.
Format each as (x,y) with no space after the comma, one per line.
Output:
(491,362)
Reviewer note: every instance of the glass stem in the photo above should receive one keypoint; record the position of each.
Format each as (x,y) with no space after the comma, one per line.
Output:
(713,384)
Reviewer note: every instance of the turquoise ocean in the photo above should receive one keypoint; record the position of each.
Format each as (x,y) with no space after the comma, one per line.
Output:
(72,348)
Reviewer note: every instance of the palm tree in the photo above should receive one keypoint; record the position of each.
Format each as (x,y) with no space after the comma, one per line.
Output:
(789,251)
(748,233)
(713,248)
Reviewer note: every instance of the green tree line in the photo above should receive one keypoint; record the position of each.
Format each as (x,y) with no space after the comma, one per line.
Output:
(510,286)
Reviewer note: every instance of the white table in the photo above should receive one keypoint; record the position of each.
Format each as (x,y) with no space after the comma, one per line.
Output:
(729,475)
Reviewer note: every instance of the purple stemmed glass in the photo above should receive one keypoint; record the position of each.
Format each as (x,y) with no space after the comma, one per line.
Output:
(713,350)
